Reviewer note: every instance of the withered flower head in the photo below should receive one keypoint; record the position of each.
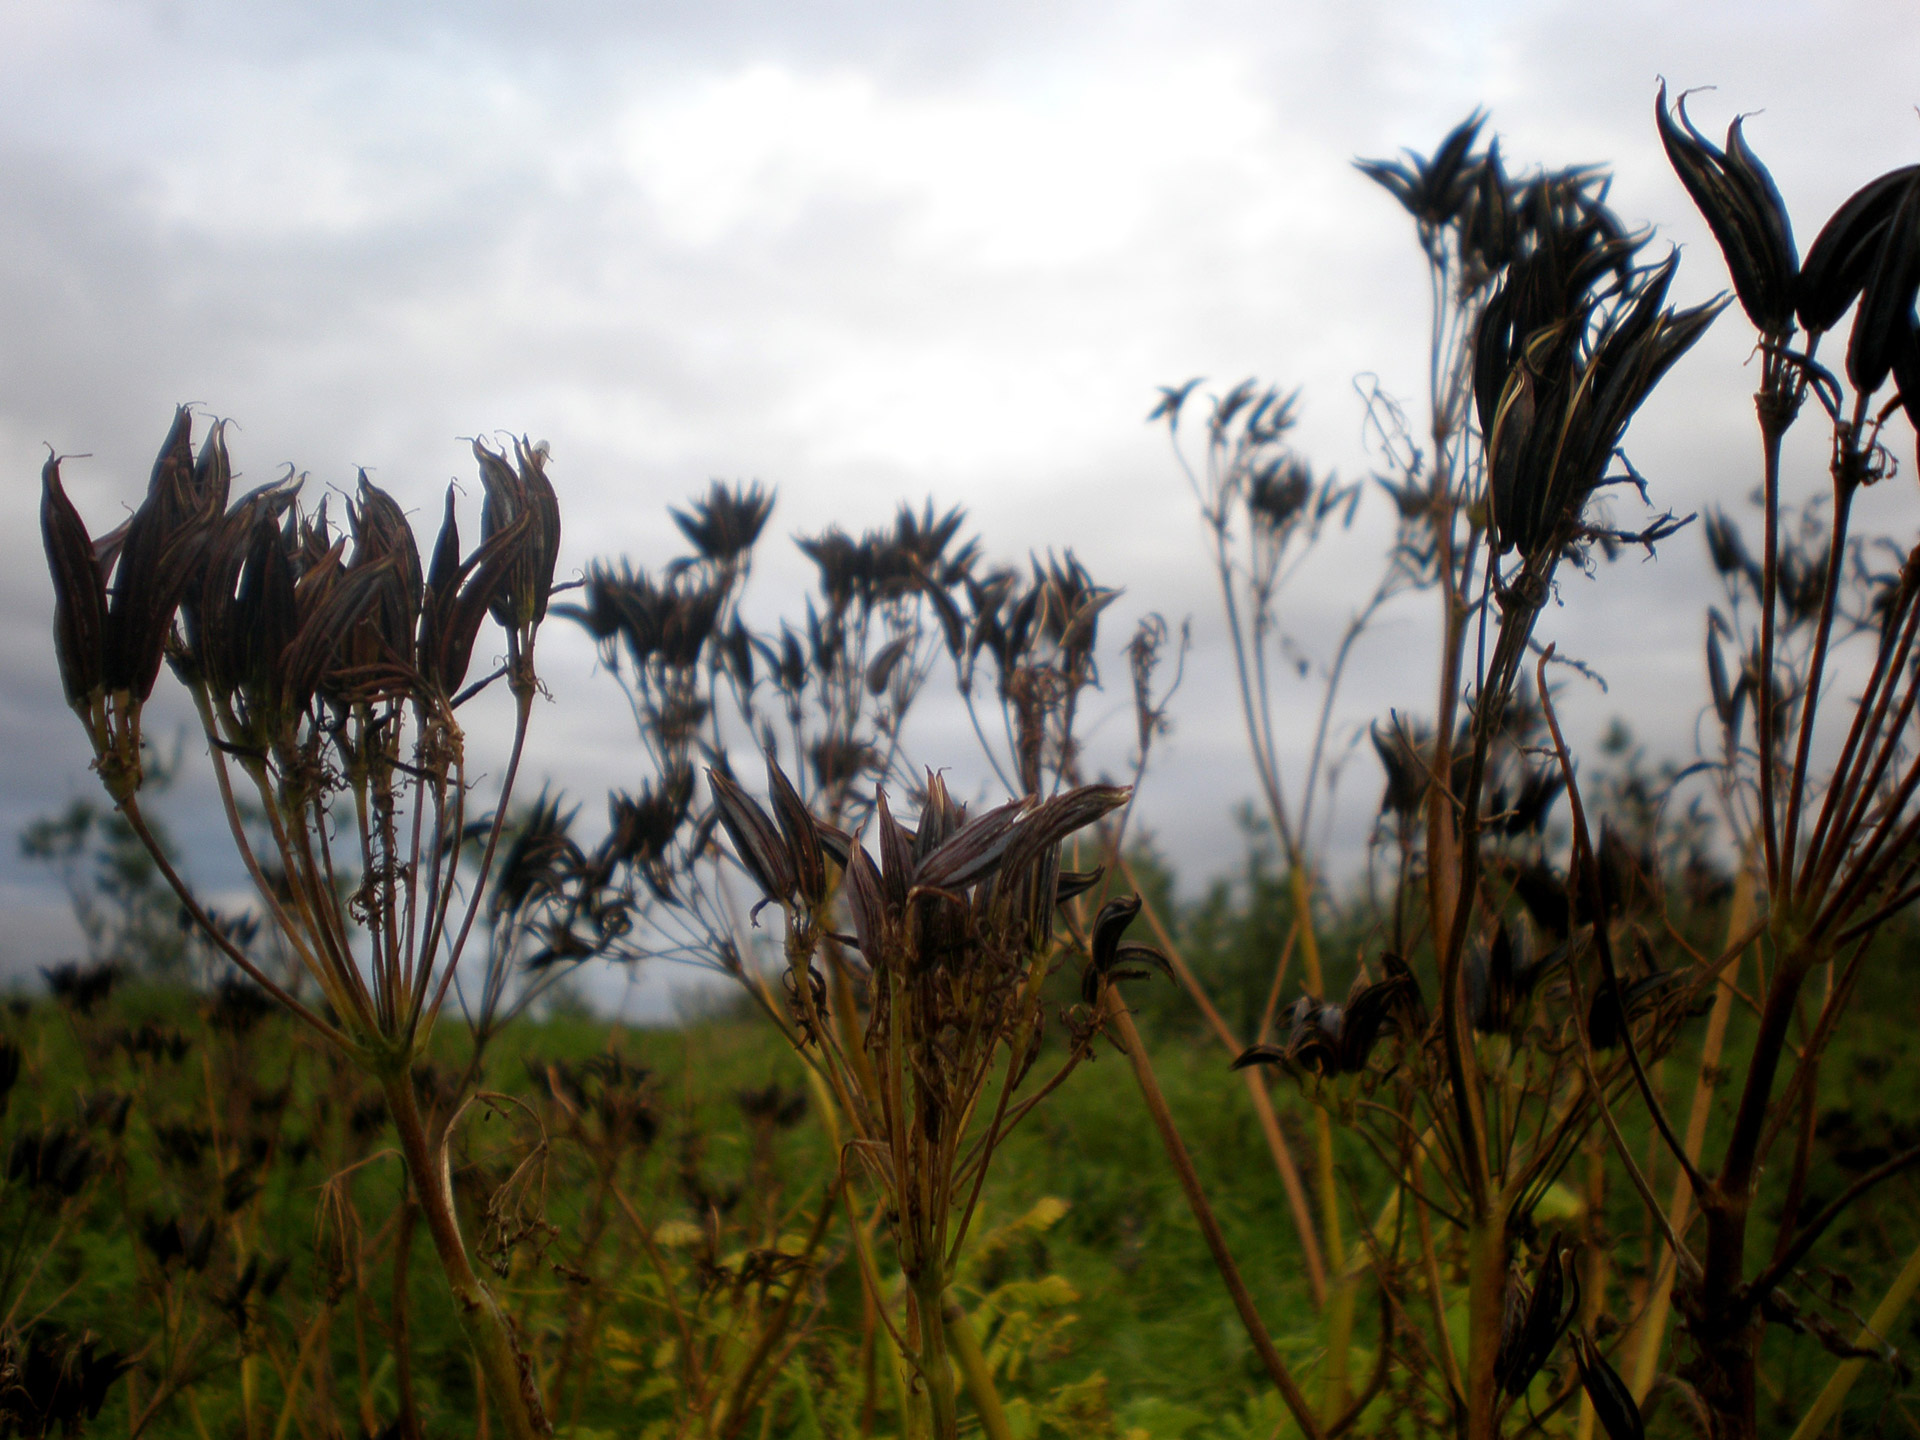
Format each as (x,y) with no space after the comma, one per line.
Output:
(725,523)
(1568,348)
(641,828)
(54,1381)
(56,1159)
(1278,492)
(1502,975)
(1432,191)
(538,861)
(1329,1039)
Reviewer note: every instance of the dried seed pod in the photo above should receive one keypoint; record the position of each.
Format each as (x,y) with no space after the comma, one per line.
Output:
(1608,1017)
(1906,374)
(1072,883)
(79,592)
(939,818)
(160,555)
(382,536)
(973,852)
(796,828)
(1536,1317)
(762,852)
(9,1071)
(897,846)
(1736,195)
(1108,926)
(1058,816)
(1847,247)
(867,905)
(459,595)
(1613,1403)
(520,498)
(1407,775)
(880,671)
(1432,191)
(1883,327)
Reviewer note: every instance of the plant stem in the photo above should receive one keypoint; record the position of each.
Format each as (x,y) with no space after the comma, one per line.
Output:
(1114,1012)
(1653,1322)
(508,1377)
(973,1369)
(1873,1333)
(1486,1303)
(1297,1203)
(929,1294)
(1346,1280)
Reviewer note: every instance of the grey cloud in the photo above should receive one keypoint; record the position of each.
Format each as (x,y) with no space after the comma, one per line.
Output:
(366,230)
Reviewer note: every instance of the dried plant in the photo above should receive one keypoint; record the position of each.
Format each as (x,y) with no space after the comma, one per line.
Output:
(327,669)
(1549,329)
(1824,792)
(1555,990)
(912,985)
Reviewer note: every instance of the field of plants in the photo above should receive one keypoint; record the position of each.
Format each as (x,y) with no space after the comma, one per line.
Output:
(1584,1111)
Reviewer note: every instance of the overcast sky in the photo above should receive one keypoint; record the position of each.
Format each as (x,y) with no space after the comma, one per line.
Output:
(864,253)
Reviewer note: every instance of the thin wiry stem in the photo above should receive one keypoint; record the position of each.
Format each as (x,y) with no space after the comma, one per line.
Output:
(1115,1012)
(1587,863)
(523,712)
(130,808)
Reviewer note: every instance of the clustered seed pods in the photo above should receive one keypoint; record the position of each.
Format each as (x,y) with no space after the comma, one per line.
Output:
(278,613)
(1571,343)
(1868,251)
(1573,335)
(1109,961)
(53,1381)
(1743,208)
(951,877)
(115,598)
(1327,1039)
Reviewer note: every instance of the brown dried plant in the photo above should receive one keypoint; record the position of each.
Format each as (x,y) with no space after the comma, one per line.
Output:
(327,669)
(911,985)
(1557,989)
(1549,329)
